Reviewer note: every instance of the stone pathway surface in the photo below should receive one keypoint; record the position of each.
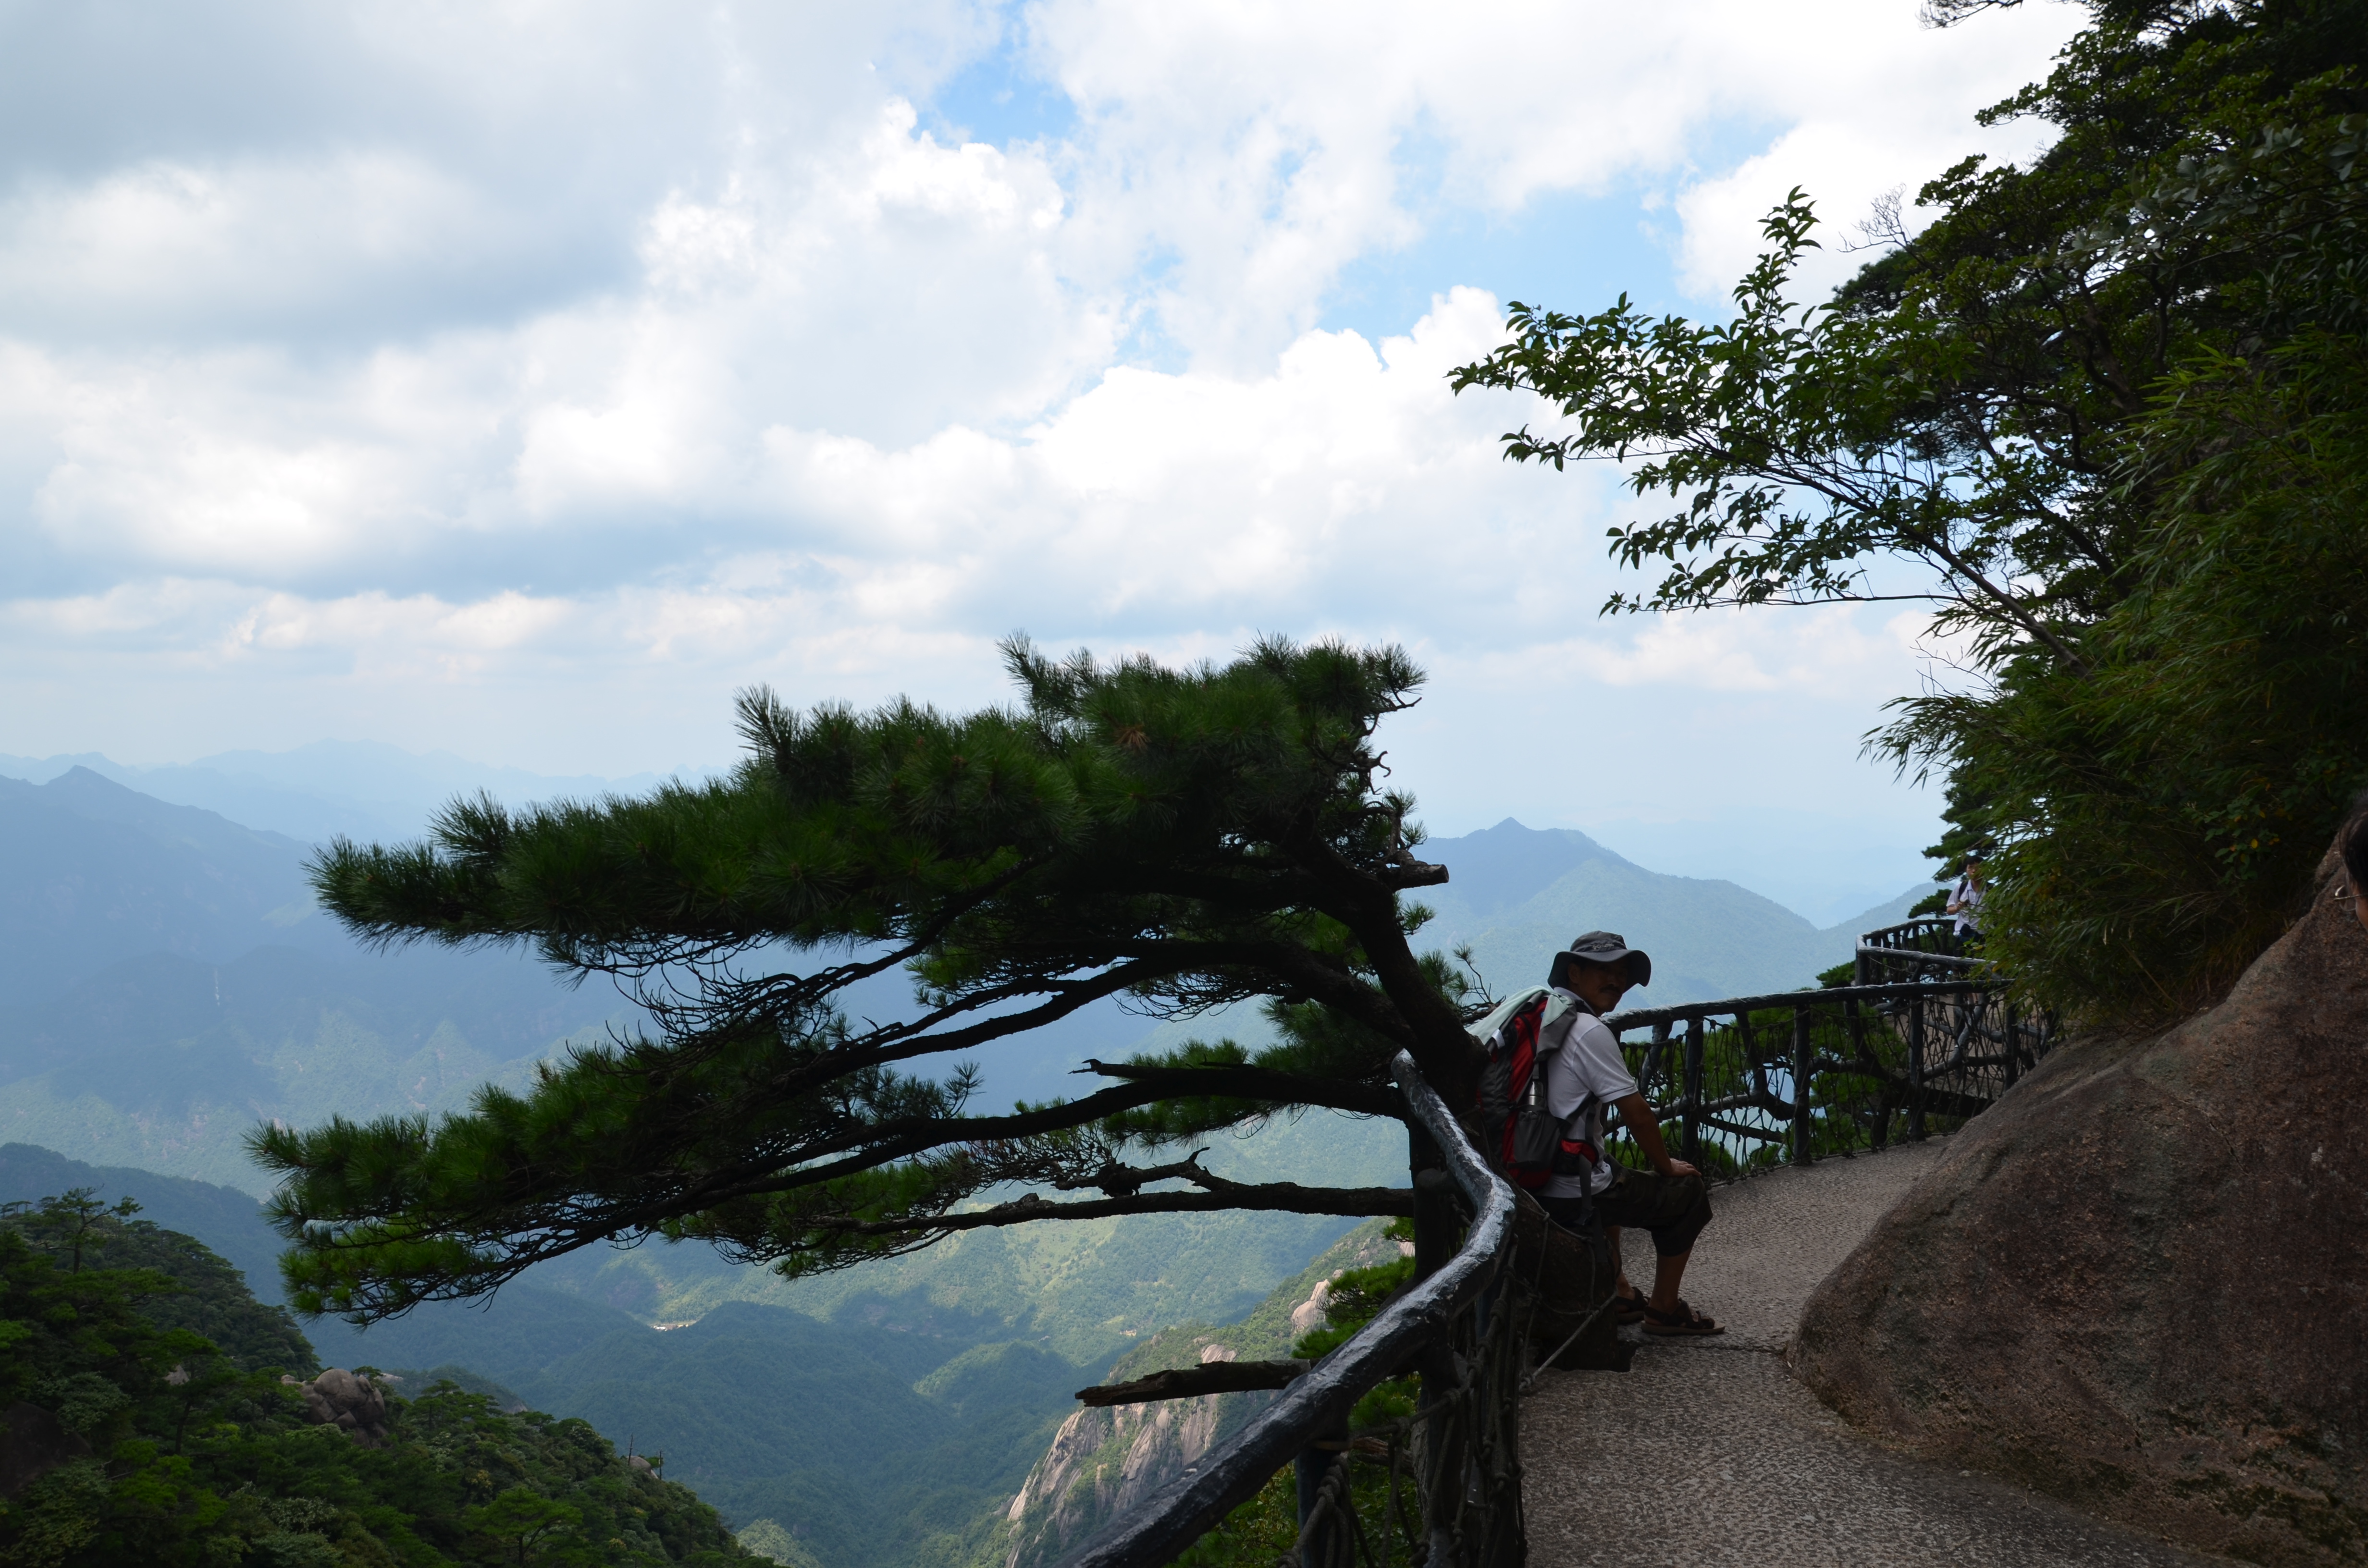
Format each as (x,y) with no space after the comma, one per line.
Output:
(1708,1452)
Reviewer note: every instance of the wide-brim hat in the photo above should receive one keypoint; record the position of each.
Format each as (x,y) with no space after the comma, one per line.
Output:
(1609,947)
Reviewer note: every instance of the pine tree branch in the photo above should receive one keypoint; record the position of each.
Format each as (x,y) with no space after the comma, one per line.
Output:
(884,1143)
(1192,1383)
(1359,1202)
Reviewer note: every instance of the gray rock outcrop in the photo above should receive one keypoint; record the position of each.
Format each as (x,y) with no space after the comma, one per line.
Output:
(349,1402)
(2140,1282)
(1105,1461)
(32,1444)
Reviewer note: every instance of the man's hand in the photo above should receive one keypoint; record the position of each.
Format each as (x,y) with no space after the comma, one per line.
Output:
(1646,1127)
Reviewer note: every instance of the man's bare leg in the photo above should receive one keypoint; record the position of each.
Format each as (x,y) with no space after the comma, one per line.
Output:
(1620,1265)
(1668,1272)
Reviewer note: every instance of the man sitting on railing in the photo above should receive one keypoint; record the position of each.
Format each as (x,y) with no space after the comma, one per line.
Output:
(1583,1078)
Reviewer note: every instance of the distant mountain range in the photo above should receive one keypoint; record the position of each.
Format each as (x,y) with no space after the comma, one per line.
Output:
(170,984)
(1518,895)
(92,873)
(363,790)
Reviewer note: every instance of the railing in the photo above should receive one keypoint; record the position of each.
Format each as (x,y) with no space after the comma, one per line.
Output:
(1742,1085)
(1924,948)
(1455,1327)
(1746,1083)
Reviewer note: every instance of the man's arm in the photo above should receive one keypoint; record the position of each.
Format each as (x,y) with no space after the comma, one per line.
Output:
(1646,1127)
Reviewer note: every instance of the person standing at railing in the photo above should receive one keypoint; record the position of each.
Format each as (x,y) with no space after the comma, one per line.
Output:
(1965,903)
(1586,1078)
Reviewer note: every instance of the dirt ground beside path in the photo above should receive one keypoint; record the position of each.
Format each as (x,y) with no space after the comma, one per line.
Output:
(1708,1452)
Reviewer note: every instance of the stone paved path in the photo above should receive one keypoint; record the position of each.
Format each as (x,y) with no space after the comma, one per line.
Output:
(1708,1452)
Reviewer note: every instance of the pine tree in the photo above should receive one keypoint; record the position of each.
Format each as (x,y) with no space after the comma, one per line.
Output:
(1179,840)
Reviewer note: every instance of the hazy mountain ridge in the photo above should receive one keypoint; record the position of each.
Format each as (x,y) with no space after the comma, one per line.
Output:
(174,984)
(94,872)
(363,790)
(247,1004)
(166,1062)
(1518,895)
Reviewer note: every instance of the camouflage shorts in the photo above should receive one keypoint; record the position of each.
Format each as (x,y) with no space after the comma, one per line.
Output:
(1674,1209)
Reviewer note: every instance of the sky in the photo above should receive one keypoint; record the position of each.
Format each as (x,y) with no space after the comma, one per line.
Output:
(519,379)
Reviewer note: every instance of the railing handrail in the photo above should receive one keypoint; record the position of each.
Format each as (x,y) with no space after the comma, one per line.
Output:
(1917,927)
(1642,1017)
(1918,956)
(1156,1529)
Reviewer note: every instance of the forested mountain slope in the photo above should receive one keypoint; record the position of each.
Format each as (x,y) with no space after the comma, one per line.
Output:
(154,1415)
(890,1433)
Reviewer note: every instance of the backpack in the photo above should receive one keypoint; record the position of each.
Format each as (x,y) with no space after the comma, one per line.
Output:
(1526,1141)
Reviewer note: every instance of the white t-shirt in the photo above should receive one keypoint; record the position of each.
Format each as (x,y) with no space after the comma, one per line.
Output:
(1588,1065)
(1968,902)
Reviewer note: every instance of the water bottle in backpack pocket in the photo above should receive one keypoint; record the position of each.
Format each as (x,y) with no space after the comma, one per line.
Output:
(1527,1142)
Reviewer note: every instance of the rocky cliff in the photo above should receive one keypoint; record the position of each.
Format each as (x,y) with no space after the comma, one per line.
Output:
(1104,1460)
(2140,1282)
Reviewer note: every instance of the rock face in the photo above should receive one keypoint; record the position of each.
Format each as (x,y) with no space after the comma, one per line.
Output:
(352,1403)
(32,1444)
(1106,1459)
(2140,1282)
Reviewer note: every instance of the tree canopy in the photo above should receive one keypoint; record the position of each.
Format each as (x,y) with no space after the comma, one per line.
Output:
(163,1447)
(2104,413)
(1177,840)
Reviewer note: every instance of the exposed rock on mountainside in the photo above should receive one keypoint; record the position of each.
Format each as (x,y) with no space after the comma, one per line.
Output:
(1105,1460)
(32,1444)
(353,1404)
(2140,1282)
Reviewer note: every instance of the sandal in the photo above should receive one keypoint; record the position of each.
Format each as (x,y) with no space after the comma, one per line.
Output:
(1628,1309)
(1681,1321)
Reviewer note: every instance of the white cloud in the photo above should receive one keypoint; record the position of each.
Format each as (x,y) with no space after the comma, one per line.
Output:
(1259,148)
(1890,111)
(1181,511)
(499,375)
(255,245)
